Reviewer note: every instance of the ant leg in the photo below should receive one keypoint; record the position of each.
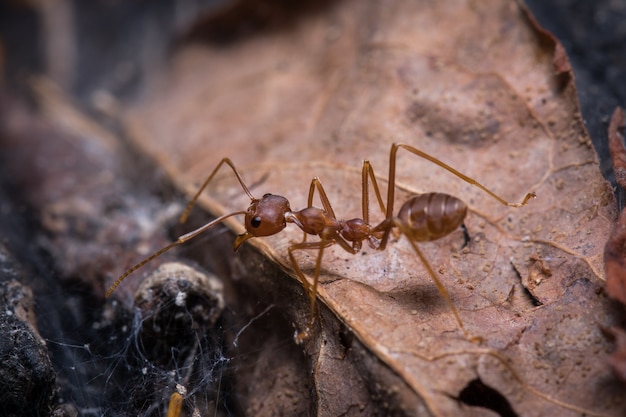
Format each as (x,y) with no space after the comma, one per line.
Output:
(415,151)
(325,242)
(316,184)
(183,217)
(367,173)
(311,290)
(442,289)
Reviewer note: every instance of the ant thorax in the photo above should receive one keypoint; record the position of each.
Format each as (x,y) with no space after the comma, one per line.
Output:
(314,221)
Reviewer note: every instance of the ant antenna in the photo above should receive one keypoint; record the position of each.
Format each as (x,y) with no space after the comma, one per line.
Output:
(182,239)
(183,218)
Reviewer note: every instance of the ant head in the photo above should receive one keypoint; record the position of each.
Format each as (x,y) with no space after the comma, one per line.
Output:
(264,217)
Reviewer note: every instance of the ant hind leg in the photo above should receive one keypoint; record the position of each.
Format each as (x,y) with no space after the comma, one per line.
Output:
(442,289)
(469,180)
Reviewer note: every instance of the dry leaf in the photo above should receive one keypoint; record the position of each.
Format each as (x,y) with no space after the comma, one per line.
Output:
(476,84)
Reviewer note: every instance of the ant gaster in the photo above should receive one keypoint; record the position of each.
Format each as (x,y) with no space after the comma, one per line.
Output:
(422,218)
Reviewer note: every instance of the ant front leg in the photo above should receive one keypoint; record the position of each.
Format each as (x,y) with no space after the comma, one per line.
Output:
(329,237)
(192,202)
(310,289)
(182,239)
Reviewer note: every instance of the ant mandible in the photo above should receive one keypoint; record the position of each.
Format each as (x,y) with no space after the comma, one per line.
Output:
(422,218)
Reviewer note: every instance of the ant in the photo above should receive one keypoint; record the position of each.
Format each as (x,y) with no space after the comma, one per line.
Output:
(422,218)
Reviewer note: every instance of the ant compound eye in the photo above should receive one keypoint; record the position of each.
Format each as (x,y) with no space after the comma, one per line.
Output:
(255,222)
(266,195)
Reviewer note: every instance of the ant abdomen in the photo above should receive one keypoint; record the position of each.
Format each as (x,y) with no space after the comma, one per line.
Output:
(431,216)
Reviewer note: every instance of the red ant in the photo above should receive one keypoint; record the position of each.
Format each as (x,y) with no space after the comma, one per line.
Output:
(423,218)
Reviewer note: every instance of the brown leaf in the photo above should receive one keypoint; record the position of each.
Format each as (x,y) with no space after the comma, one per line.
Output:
(473,84)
